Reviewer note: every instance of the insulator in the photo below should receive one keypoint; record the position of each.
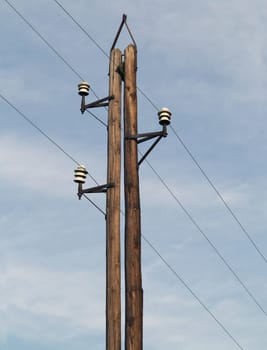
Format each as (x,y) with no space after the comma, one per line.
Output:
(83,88)
(164,116)
(80,174)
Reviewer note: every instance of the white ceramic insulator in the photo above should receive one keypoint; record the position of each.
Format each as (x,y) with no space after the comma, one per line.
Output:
(79,179)
(80,174)
(83,88)
(164,116)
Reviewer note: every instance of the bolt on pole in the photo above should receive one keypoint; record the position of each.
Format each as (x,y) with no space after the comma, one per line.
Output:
(113,269)
(133,277)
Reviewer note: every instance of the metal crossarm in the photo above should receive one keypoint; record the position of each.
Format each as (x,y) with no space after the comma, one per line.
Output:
(103,102)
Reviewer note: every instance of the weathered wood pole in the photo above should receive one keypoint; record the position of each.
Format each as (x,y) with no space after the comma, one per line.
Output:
(113,264)
(133,278)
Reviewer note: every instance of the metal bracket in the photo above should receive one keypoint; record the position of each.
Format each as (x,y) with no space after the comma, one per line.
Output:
(98,103)
(150,149)
(123,22)
(120,71)
(96,189)
(146,137)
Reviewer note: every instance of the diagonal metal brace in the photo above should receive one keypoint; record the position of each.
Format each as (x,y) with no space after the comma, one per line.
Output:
(150,149)
(148,136)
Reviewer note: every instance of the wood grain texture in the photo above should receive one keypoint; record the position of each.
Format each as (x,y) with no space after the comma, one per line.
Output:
(133,277)
(113,263)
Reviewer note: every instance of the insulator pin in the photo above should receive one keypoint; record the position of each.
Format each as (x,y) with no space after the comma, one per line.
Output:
(83,88)
(80,174)
(164,116)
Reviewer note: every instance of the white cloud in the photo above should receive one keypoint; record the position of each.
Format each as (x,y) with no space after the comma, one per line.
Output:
(207,61)
(37,166)
(74,302)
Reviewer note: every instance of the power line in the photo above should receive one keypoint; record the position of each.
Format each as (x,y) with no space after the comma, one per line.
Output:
(147,241)
(250,294)
(28,120)
(51,47)
(193,158)
(184,145)
(98,119)
(43,39)
(179,278)
(72,158)
(191,291)
(95,205)
(144,238)
(190,217)
(179,139)
(218,194)
(175,197)
(60,148)
(211,183)
(81,28)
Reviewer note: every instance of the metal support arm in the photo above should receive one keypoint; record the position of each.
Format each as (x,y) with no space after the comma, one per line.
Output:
(148,136)
(103,102)
(96,189)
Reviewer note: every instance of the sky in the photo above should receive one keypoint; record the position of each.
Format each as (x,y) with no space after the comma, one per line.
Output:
(207,62)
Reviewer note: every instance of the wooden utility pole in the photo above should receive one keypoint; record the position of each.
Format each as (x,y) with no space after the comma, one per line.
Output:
(113,270)
(133,278)
(119,70)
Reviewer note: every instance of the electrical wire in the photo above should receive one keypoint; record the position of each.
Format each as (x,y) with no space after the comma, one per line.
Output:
(190,217)
(78,163)
(145,239)
(165,185)
(194,294)
(98,119)
(51,47)
(160,178)
(191,291)
(196,162)
(219,194)
(28,120)
(44,40)
(179,139)
(93,203)
(60,148)
(81,28)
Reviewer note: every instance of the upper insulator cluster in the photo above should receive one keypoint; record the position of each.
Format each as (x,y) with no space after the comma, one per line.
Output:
(80,174)
(164,116)
(83,88)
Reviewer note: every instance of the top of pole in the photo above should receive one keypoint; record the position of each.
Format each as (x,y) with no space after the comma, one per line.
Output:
(123,22)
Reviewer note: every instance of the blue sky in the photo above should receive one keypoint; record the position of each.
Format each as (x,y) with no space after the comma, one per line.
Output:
(207,62)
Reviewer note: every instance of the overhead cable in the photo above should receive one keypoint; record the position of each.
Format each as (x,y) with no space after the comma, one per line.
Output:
(28,120)
(219,194)
(194,222)
(192,292)
(179,139)
(165,185)
(73,71)
(51,47)
(81,28)
(145,239)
